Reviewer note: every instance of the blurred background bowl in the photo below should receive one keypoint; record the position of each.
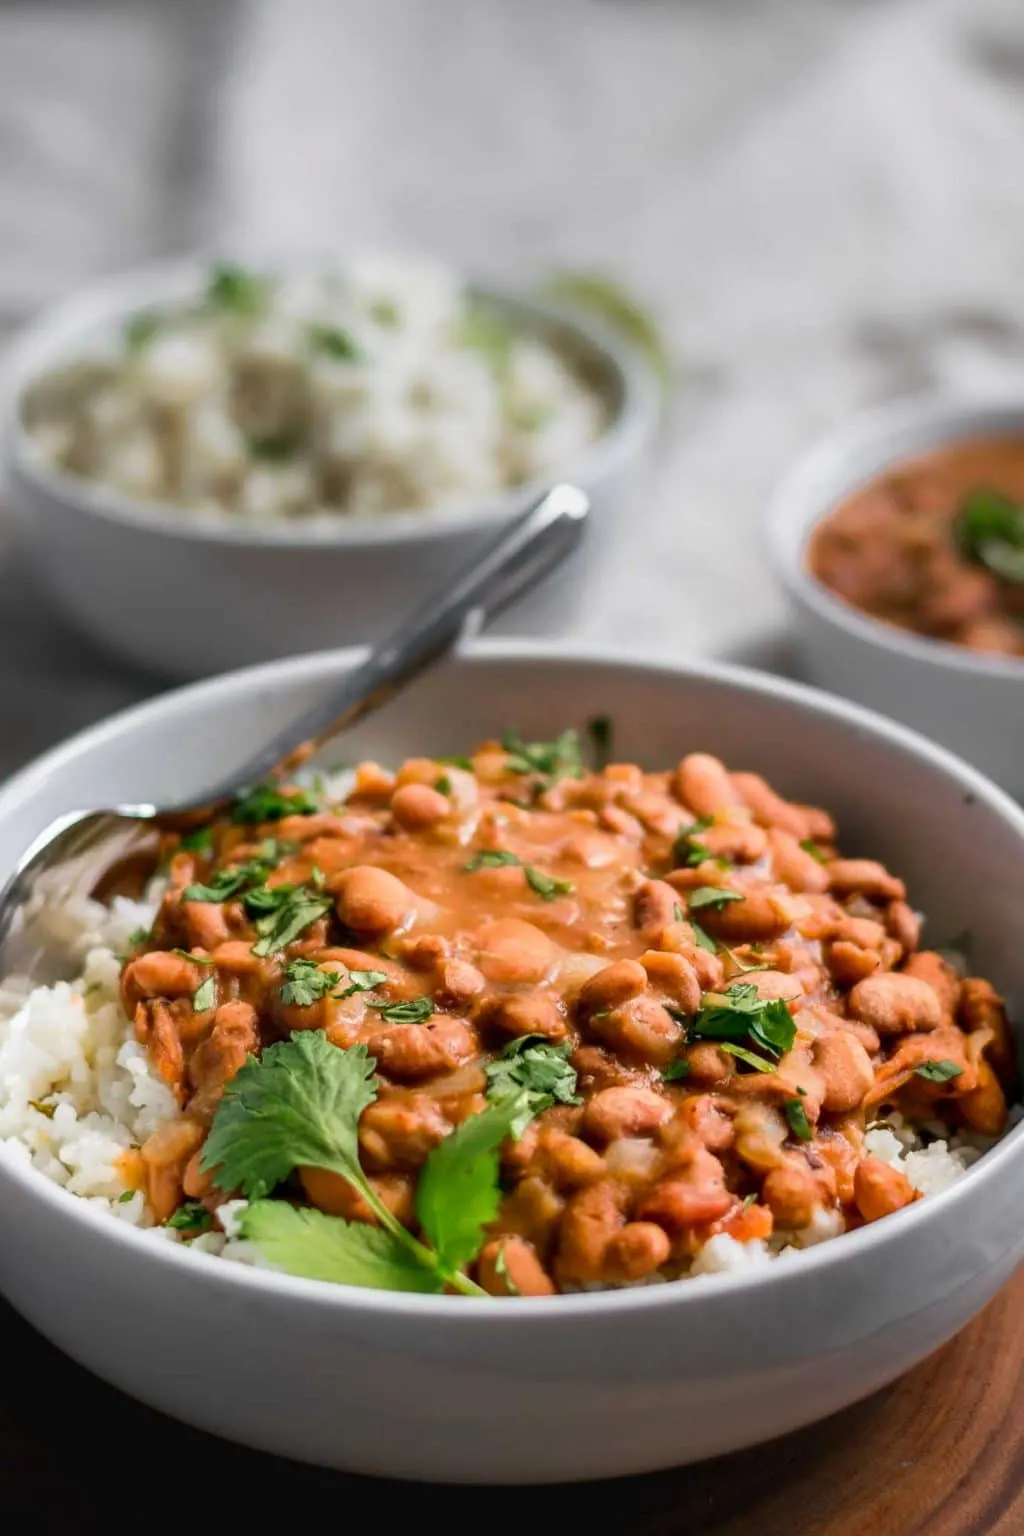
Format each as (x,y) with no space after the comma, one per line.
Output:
(969,701)
(191,597)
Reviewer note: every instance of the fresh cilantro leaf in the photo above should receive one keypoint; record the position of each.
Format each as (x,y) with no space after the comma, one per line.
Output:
(282,927)
(798,1121)
(138,936)
(444,785)
(810,846)
(549,760)
(205,995)
(688,851)
(190,1217)
(199,841)
(546,886)
(989,529)
(676,1070)
(532,1067)
(702,939)
(186,954)
(334,342)
(276,448)
(459,1192)
(938,1071)
(225,884)
(268,802)
(739,1012)
(742,1054)
(749,1200)
(465,763)
(599,729)
(306,984)
(298,1105)
(319,1247)
(235,290)
(139,330)
(501,1269)
(125,1196)
(491,858)
(712,896)
(361,981)
(416,1011)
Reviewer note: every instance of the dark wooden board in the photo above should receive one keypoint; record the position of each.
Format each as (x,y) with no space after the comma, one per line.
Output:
(941,1452)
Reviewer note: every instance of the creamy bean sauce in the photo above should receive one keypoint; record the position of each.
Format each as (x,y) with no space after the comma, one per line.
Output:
(936,546)
(704,1003)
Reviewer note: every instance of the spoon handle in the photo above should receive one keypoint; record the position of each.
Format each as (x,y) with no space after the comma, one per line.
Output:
(524,552)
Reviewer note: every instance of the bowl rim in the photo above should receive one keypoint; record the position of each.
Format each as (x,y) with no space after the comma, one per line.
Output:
(824,473)
(211,1269)
(53,333)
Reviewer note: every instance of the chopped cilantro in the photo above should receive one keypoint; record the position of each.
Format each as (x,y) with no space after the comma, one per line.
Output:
(491,858)
(275,448)
(502,1271)
(305,983)
(533,1069)
(444,785)
(465,763)
(742,1054)
(414,1011)
(938,1071)
(676,1070)
(268,802)
(228,883)
(702,939)
(234,290)
(546,886)
(199,841)
(385,312)
(140,329)
(548,760)
(739,1013)
(810,846)
(334,342)
(599,730)
(282,927)
(989,529)
(361,981)
(138,936)
(125,1196)
(712,896)
(190,1217)
(688,851)
(799,1124)
(485,332)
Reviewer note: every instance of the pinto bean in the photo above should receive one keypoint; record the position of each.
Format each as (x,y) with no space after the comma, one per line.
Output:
(848,963)
(864,877)
(984,1109)
(775,984)
(592,1218)
(845,1069)
(708,968)
(768,808)
(641,1030)
(205,924)
(674,977)
(371,901)
(509,1266)
(741,842)
(981,1007)
(418,807)
(619,1112)
(879,1189)
(903,924)
(706,1118)
(655,906)
(410,1052)
(677,1204)
(703,785)
(401,1133)
(940,976)
(525,1013)
(612,986)
(708,1063)
(165,1155)
(896,1004)
(760,917)
(334,1195)
(196,1183)
(793,865)
(791,1193)
(159,974)
(165,1048)
(235,1035)
(638,1250)
(512,952)
(457,983)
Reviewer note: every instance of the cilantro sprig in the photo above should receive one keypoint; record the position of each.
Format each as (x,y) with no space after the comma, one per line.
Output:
(989,529)
(299,907)
(299,1106)
(739,1014)
(549,761)
(268,802)
(688,850)
(534,1070)
(305,983)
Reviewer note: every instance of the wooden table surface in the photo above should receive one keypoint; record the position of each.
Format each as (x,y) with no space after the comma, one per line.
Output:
(938,1453)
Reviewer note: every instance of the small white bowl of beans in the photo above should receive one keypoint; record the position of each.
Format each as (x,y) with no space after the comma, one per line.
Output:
(899,541)
(213,464)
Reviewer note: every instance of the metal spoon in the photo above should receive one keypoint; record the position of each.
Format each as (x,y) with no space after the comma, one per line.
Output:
(522,554)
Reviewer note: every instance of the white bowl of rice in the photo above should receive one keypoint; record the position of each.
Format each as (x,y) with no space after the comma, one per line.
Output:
(211,464)
(453,1388)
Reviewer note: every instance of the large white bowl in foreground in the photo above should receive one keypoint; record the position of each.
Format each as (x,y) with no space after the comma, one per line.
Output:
(565,1387)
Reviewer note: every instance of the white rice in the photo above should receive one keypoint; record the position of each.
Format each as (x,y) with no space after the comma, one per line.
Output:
(254,417)
(77,1091)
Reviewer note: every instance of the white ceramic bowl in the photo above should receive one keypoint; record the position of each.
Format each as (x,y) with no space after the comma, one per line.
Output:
(971,702)
(190,599)
(583,1386)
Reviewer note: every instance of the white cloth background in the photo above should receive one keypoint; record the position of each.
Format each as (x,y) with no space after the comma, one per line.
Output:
(822,200)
